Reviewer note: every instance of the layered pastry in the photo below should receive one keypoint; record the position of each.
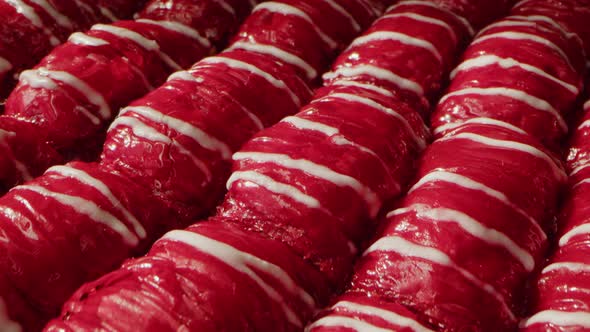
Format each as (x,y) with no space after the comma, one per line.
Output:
(167,156)
(283,239)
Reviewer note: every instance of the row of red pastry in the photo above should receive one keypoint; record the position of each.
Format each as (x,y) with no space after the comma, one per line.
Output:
(29,29)
(60,109)
(455,254)
(559,295)
(167,155)
(301,197)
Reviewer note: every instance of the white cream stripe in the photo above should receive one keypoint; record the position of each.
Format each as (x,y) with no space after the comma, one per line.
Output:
(337,7)
(466,182)
(574,267)
(406,248)
(146,43)
(237,64)
(459,18)
(472,227)
(485,121)
(424,19)
(179,28)
(196,134)
(378,73)
(274,186)
(371,103)
(511,145)
(582,229)
(95,183)
(559,318)
(507,63)
(285,9)
(30,14)
(520,36)
(58,17)
(242,262)
(89,209)
(365,86)
(399,37)
(519,95)
(345,322)
(389,316)
(318,171)
(278,53)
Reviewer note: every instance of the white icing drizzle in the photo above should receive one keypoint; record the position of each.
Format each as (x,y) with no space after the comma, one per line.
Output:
(149,133)
(5,65)
(425,3)
(28,231)
(574,267)
(101,187)
(87,208)
(107,13)
(184,75)
(338,139)
(59,18)
(506,63)
(29,13)
(20,167)
(468,183)
(146,43)
(319,171)
(530,100)
(371,103)
(365,86)
(243,262)
(237,64)
(471,226)
(578,169)
(512,35)
(485,121)
(337,7)
(345,322)
(379,73)
(389,316)
(187,76)
(542,18)
(93,96)
(586,104)
(284,9)
(399,37)
(424,19)
(196,134)
(7,324)
(274,186)
(80,38)
(180,28)
(278,53)
(223,4)
(559,318)
(514,146)
(583,229)
(406,248)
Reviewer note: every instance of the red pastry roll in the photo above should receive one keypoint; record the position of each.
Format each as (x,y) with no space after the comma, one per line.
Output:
(559,298)
(222,101)
(187,129)
(71,97)
(533,92)
(446,257)
(88,217)
(29,29)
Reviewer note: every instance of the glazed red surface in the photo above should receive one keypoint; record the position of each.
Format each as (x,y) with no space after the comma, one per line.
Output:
(561,285)
(320,240)
(60,115)
(440,294)
(150,180)
(23,44)
(567,67)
